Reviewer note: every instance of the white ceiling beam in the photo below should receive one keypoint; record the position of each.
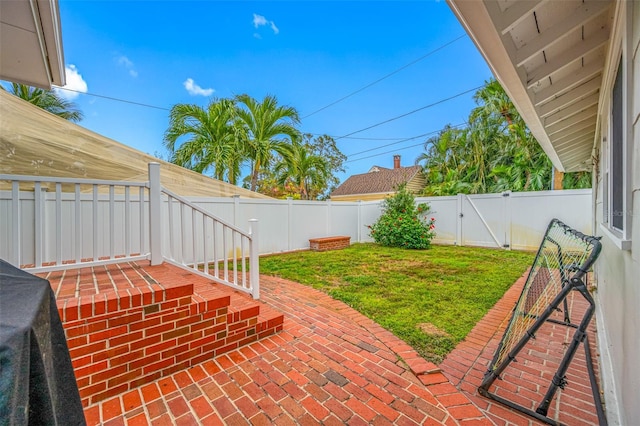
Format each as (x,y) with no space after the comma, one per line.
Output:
(563,143)
(578,51)
(580,159)
(572,110)
(579,17)
(580,144)
(576,127)
(588,114)
(586,73)
(569,97)
(515,14)
(580,163)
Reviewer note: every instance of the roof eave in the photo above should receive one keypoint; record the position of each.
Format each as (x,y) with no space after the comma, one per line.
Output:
(495,31)
(31,44)
(475,18)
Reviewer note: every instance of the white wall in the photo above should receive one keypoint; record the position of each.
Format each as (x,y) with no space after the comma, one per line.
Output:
(617,269)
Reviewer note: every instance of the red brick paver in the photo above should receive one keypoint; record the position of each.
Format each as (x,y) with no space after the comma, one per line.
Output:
(525,381)
(332,365)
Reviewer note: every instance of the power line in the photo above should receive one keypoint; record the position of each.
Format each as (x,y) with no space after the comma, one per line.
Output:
(386,76)
(405,140)
(411,112)
(358,138)
(386,152)
(113,99)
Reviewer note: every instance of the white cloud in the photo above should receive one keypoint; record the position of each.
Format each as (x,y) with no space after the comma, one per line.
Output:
(259,21)
(127,64)
(195,90)
(75,84)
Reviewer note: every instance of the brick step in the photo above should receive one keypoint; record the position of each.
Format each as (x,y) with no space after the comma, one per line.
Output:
(119,340)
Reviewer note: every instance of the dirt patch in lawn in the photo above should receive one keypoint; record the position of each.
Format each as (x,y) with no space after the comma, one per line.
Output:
(432,330)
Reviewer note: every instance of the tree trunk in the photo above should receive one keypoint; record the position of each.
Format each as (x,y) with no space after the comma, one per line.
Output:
(254,180)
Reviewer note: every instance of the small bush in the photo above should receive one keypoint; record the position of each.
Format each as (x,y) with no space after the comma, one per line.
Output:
(403,223)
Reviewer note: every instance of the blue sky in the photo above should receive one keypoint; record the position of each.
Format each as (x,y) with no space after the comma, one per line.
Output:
(308,54)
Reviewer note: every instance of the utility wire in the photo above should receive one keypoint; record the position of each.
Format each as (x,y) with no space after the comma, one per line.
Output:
(384,153)
(386,76)
(113,99)
(359,138)
(406,139)
(411,112)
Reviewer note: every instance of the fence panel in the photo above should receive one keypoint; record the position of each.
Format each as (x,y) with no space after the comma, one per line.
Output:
(274,223)
(343,220)
(444,211)
(531,212)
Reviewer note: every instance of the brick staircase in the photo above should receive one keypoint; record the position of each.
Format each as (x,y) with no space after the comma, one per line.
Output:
(129,324)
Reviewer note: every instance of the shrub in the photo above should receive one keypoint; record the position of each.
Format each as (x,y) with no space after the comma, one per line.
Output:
(403,223)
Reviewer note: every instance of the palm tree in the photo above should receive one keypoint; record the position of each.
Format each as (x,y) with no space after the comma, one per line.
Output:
(48,100)
(308,172)
(495,152)
(267,125)
(213,141)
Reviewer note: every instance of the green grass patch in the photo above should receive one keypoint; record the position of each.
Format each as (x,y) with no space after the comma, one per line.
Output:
(429,298)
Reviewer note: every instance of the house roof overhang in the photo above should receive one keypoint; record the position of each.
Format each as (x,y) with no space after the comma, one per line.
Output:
(549,56)
(31,43)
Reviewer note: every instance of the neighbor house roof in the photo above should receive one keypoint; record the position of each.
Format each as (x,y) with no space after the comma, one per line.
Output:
(377,180)
(36,143)
(549,56)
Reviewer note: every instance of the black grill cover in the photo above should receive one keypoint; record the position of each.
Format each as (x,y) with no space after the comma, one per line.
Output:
(37,384)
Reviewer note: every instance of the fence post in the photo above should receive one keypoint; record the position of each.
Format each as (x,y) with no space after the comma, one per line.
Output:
(155,214)
(16,224)
(289,223)
(508,220)
(328,223)
(359,221)
(254,261)
(459,216)
(236,209)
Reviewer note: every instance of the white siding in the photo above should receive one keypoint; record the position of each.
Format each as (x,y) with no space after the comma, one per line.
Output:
(618,271)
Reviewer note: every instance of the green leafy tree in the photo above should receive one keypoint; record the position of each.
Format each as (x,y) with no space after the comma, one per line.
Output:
(403,223)
(324,146)
(302,169)
(494,152)
(48,100)
(269,127)
(207,139)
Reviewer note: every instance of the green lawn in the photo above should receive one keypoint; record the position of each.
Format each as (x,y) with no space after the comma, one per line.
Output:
(429,298)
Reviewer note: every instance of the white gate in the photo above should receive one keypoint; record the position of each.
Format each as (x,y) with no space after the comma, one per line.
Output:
(484,220)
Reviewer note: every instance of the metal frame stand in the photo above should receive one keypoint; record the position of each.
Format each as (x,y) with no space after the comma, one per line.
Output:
(580,336)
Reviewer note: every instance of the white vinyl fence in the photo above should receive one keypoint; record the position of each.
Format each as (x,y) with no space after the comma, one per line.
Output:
(514,220)
(86,224)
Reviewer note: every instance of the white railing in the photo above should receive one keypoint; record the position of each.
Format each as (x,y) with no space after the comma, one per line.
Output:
(211,247)
(76,227)
(49,224)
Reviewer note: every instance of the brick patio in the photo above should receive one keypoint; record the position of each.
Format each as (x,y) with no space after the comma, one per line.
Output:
(331,365)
